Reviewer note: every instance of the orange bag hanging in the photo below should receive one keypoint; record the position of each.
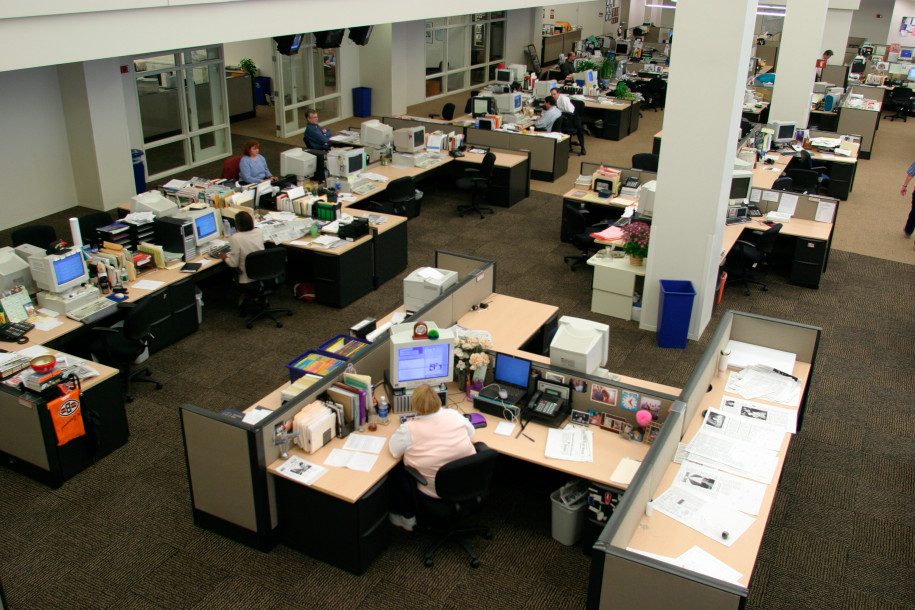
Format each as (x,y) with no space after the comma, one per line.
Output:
(65,412)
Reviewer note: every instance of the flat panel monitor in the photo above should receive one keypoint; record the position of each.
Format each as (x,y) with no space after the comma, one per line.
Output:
(420,361)
(375,133)
(783,131)
(298,163)
(329,39)
(622,48)
(580,345)
(905,54)
(481,106)
(741,182)
(508,103)
(512,371)
(206,224)
(288,45)
(360,35)
(59,272)
(410,139)
(504,76)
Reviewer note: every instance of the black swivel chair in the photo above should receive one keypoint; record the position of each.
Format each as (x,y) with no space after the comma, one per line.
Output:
(576,225)
(804,180)
(447,112)
(477,182)
(750,254)
(267,271)
(656,93)
(805,161)
(901,99)
(783,183)
(90,222)
(645,161)
(573,126)
(462,486)
(400,197)
(121,346)
(41,236)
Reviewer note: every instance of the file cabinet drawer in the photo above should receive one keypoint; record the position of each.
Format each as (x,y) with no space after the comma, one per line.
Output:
(614,280)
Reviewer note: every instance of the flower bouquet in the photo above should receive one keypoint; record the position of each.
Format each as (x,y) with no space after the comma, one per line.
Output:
(636,244)
(471,359)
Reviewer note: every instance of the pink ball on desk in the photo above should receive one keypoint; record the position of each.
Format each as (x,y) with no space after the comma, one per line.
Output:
(643,417)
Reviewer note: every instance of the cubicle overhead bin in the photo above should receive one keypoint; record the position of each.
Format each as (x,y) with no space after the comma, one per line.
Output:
(617,557)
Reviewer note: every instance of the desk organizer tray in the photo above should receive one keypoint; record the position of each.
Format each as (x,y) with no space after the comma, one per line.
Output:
(343,346)
(317,362)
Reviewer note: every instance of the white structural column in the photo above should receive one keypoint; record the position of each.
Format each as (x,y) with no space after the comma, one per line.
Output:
(701,130)
(800,46)
(838,25)
(97,133)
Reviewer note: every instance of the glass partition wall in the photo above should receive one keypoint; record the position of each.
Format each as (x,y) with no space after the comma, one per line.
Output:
(309,79)
(462,52)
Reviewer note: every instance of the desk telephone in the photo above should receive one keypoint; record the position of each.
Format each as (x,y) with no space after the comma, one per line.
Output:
(753,211)
(546,404)
(15,333)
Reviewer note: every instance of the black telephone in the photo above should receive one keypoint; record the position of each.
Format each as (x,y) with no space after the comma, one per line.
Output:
(15,333)
(547,403)
(753,211)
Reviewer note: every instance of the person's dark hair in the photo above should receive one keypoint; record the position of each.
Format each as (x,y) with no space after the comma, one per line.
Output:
(554,89)
(549,101)
(248,146)
(243,222)
(310,113)
(828,53)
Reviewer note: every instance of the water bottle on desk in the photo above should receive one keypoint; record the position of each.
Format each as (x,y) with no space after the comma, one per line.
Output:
(383,411)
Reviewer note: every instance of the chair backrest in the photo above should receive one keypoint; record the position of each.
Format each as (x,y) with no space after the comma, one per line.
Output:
(559,124)
(568,123)
(783,183)
(901,94)
(576,219)
(90,222)
(400,190)
(267,264)
(803,180)
(489,161)
(230,168)
(448,111)
(579,106)
(320,165)
(37,235)
(805,160)
(646,161)
(139,319)
(766,242)
(467,478)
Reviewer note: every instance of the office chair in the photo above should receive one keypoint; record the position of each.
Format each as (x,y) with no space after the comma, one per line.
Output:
(656,93)
(783,183)
(559,124)
(573,125)
(805,161)
(400,198)
(645,161)
(447,112)
(41,236)
(230,168)
(462,486)
(267,271)
(126,343)
(320,174)
(901,99)
(90,222)
(477,182)
(579,231)
(751,254)
(804,180)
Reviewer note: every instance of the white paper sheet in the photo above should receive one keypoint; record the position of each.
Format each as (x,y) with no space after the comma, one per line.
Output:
(770,195)
(570,443)
(48,324)
(147,285)
(744,354)
(504,428)
(743,429)
(364,442)
(714,485)
(703,562)
(33,351)
(766,384)
(720,523)
(825,211)
(353,460)
(736,457)
(301,470)
(787,204)
(255,415)
(755,194)
(786,419)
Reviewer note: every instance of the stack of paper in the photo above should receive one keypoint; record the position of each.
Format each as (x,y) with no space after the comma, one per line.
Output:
(301,470)
(765,383)
(570,443)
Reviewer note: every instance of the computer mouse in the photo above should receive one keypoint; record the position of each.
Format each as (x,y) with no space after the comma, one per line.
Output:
(503,394)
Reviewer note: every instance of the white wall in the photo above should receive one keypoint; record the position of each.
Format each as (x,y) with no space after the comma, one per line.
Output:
(835,34)
(522,28)
(865,24)
(903,8)
(260,50)
(588,15)
(376,71)
(35,160)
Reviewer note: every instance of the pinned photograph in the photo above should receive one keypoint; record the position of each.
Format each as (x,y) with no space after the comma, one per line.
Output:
(579,385)
(554,377)
(580,418)
(604,395)
(651,432)
(652,405)
(613,423)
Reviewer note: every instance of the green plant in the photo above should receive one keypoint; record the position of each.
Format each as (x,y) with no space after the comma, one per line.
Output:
(583,65)
(608,68)
(247,64)
(622,91)
(637,234)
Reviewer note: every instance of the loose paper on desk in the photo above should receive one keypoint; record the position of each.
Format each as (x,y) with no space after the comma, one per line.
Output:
(736,457)
(765,383)
(624,471)
(147,285)
(46,324)
(715,485)
(787,204)
(504,428)
(785,419)
(826,211)
(364,442)
(743,429)
(719,522)
(255,415)
(696,560)
(353,460)
(570,443)
(301,470)
(33,351)
(745,354)
(374,177)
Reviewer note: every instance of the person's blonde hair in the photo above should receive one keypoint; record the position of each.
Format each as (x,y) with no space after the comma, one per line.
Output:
(425,401)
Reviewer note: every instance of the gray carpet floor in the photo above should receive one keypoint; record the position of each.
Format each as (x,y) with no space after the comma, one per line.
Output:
(120,534)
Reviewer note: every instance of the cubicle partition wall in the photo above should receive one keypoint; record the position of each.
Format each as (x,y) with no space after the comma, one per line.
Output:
(589,167)
(231,491)
(430,125)
(549,155)
(615,564)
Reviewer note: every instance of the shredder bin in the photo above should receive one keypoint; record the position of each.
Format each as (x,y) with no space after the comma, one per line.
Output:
(674,311)
(139,171)
(568,521)
(362,101)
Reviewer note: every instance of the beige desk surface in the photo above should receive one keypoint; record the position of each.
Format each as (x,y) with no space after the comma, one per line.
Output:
(662,535)
(764,176)
(797,228)
(392,219)
(510,321)
(104,372)
(592,197)
(40,337)
(615,105)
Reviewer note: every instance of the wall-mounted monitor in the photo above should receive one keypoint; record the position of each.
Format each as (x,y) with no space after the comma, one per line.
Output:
(361,35)
(288,45)
(329,39)
(59,272)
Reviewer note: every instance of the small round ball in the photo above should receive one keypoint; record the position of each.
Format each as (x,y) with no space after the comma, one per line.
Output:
(643,417)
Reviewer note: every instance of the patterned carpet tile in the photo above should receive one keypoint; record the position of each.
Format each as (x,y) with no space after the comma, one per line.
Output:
(894,378)
(820,486)
(893,541)
(181,581)
(74,588)
(788,590)
(885,504)
(859,600)
(827,522)
(880,471)
(812,556)
(840,389)
(833,431)
(880,577)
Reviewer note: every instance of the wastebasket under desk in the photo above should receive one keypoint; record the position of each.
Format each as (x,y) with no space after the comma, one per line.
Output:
(613,285)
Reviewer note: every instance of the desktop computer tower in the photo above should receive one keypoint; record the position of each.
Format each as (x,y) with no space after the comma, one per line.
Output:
(176,235)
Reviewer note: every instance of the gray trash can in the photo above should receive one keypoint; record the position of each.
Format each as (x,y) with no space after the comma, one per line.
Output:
(568,521)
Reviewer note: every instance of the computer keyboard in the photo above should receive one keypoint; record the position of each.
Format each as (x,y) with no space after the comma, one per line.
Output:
(364,189)
(94,311)
(735,221)
(428,163)
(215,248)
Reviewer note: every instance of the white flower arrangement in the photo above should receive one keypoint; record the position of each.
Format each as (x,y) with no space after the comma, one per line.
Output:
(470,357)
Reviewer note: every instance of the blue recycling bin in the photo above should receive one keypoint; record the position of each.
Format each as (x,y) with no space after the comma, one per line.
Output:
(675,308)
(362,101)
(139,171)
(261,89)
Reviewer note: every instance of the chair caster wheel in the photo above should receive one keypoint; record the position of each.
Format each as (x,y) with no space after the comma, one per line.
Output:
(288,313)
(279,325)
(428,563)
(158,386)
(250,326)
(474,563)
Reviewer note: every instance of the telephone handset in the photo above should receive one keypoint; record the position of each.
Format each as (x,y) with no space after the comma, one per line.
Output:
(546,403)
(753,211)
(15,333)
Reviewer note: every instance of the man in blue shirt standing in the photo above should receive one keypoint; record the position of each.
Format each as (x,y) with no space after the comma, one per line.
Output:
(316,137)
(545,122)
(910,221)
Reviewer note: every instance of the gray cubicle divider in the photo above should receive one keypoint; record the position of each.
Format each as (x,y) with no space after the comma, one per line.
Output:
(805,209)
(589,167)
(549,156)
(428,124)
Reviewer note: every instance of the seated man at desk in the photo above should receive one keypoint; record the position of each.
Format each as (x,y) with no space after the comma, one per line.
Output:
(567,67)
(316,137)
(433,438)
(549,116)
(253,167)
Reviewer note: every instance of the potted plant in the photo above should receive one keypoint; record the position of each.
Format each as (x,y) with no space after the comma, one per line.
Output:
(585,64)
(247,64)
(608,70)
(471,361)
(636,242)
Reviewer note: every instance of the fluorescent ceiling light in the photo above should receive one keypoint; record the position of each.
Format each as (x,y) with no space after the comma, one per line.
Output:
(770,13)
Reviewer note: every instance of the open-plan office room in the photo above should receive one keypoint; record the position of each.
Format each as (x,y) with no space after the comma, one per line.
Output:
(838,533)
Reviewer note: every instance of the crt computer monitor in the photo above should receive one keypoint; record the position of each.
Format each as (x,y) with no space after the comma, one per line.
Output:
(344,163)
(504,76)
(59,272)
(912,74)
(508,103)
(622,48)
(298,163)
(580,345)
(376,134)
(481,106)
(417,361)
(905,54)
(783,131)
(512,371)
(206,225)
(741,182)
(409,139)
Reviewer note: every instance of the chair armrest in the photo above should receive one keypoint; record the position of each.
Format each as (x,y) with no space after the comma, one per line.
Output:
(415,474)
(104,329)
(480,446)
(469,171)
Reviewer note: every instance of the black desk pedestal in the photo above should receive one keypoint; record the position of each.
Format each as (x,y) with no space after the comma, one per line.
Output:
(339,279)
(808,262)
(347,536)
(390,253)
